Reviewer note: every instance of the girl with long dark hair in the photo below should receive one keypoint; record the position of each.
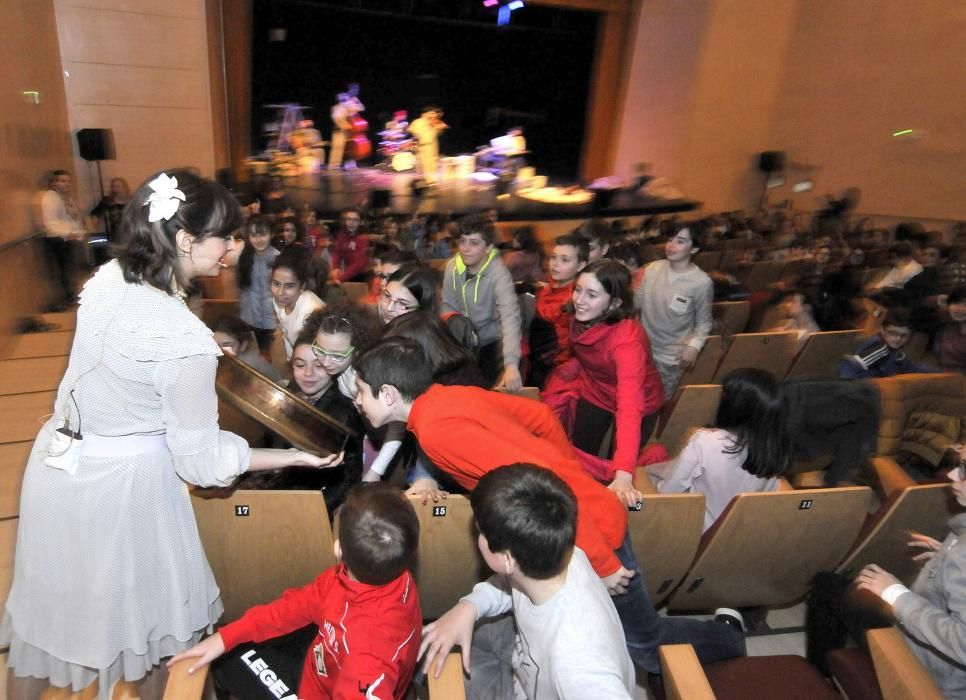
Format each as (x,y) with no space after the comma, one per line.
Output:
(746,450)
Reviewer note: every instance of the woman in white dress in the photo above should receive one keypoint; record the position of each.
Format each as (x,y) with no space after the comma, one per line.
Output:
(110,576)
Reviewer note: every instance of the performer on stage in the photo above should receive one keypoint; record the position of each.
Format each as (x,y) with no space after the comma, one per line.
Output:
(426,129)
(343,111)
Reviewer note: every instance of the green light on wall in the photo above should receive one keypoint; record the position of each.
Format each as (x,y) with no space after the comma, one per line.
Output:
(904,132)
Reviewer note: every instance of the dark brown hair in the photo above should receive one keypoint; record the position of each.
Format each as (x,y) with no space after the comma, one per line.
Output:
(148,252)
(378,533)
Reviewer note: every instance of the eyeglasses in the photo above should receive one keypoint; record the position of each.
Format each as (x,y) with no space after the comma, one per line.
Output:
(400,304)
(324,354)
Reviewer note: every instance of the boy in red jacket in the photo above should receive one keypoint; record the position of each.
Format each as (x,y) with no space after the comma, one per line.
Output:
(468,432)
(550,328)
(365,610)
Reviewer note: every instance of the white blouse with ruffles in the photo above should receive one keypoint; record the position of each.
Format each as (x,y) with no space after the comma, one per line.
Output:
(110,575)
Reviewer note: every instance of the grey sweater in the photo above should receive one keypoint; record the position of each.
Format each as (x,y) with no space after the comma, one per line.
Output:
(489,300)
(675,309)
(932,614)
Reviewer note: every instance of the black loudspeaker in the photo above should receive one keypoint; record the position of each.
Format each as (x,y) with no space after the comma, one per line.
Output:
(380,199)
(771,161)
(96,144)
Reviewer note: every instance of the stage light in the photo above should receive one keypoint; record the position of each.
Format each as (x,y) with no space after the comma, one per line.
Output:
(490,3)
(503,16)
(904,132)
(515,5)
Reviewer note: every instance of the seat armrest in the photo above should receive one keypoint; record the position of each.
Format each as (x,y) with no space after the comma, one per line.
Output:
(684,678)
(449,685)
(900,675)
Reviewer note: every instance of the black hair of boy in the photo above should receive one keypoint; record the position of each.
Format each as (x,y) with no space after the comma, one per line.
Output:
(529,512)
(697,230)
(396,362)
(478,223)
(578,242)
(897,317)
(378,533)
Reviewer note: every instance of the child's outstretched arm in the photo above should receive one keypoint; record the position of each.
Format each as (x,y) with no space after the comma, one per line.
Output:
(454,628)
(203,652)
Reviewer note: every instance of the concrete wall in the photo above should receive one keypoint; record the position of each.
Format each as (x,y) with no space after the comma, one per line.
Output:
(714,82)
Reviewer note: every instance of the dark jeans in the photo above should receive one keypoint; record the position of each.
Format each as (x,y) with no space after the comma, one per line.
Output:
(645,630)
(591,424)
(61,254)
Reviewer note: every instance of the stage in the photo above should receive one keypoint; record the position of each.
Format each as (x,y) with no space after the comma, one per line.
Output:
(331,191)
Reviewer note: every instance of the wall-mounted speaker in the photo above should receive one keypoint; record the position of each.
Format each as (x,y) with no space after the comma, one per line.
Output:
(771,161)
(96,144)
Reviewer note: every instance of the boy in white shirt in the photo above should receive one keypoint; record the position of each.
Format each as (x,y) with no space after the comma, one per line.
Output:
(569,641)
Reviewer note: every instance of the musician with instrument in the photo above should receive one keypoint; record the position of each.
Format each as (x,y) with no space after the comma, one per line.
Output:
(426,129)
(348,131)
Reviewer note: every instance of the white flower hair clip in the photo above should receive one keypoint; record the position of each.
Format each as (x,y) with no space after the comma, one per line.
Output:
(164,200)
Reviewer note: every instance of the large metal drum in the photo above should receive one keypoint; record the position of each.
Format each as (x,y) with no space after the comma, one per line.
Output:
(278,409)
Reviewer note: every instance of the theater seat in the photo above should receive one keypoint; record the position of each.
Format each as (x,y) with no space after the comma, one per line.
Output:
(786,677)
(900,675)
(693,406)
(259,543)
(901,396)
(798,534)
(772,352)
(854,674)
(449,685)
(448,561)
(707,363)
(924,509)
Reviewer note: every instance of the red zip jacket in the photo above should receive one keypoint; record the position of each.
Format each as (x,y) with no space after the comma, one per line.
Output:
(467,432)
(550,308)
(368,635)
(349,254)
(612,368)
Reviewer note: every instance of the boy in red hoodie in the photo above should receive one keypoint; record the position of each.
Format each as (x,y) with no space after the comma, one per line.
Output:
(365,610)
(550,328)
(468,432)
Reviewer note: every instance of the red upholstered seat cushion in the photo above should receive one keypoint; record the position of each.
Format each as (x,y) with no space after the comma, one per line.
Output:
(754,677)
(854,672)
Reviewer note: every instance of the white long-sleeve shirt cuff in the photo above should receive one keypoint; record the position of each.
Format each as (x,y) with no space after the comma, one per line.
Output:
(891,594)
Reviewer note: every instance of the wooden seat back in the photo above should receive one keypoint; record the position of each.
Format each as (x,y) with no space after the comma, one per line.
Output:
(8,547)
(883,541)
(906,393)
(766,547)
(708,260)
(772,352)
(763,274)
(733,315)
(355,290)
(707,363)
(449,563)
(214,309)
(259,543)
(682,673)
(900,674)
(822,353)
(665,535)
(693,406)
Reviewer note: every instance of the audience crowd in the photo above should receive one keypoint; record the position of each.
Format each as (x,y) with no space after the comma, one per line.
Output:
(416,331)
